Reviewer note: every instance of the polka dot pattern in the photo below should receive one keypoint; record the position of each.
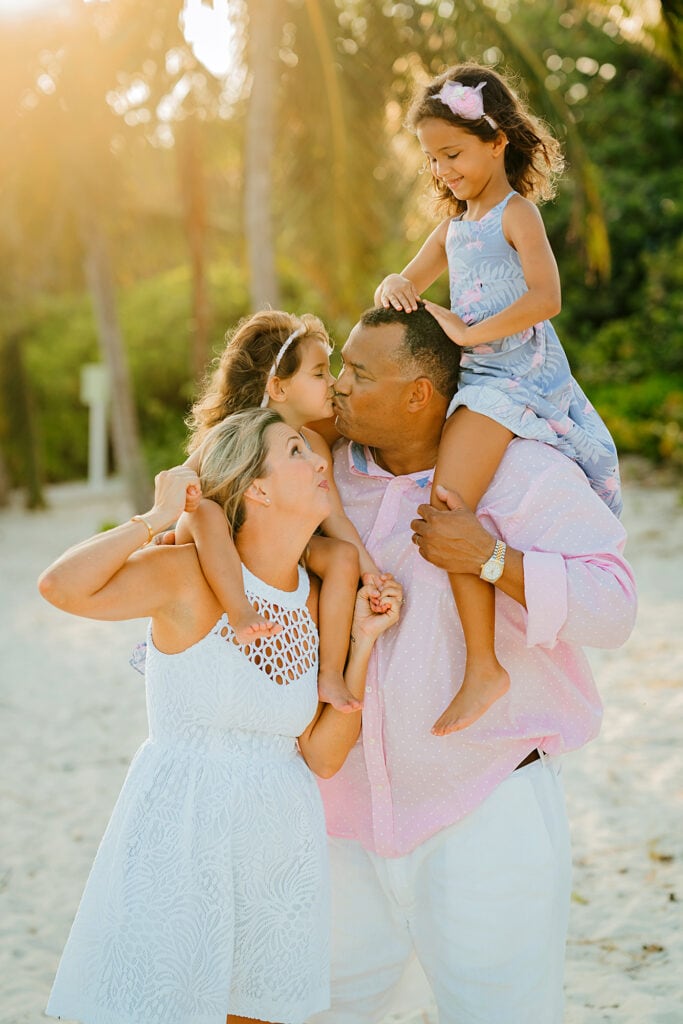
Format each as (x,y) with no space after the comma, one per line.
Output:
(400,784)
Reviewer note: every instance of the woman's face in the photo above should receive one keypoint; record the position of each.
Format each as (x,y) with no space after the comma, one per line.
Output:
(294,480)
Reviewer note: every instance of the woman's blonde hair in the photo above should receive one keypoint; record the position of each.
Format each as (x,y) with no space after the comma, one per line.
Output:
(239,380)
(232,455)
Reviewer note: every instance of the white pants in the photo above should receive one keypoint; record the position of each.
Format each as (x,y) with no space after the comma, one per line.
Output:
(482,905)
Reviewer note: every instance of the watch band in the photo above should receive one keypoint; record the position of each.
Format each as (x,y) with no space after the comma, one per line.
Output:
(492,568)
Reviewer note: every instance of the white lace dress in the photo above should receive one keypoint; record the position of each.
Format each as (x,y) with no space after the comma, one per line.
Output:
(209,894)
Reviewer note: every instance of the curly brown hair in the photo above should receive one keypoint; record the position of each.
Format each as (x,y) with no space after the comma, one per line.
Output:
(239,379)
(533,157)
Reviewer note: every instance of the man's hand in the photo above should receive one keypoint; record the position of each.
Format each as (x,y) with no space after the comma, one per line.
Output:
(454,539)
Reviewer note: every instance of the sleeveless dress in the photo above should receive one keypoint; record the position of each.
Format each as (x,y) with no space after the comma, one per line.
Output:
(209,894)
(522,381)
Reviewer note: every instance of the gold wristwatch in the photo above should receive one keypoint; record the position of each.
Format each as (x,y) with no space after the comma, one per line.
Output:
(493,569)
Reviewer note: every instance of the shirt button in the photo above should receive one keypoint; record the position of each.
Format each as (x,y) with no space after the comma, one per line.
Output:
(368,689)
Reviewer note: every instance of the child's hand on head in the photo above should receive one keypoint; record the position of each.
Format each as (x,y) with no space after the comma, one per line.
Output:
(452,324)
(397,291)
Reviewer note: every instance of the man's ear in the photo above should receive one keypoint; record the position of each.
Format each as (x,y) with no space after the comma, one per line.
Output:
(420,394)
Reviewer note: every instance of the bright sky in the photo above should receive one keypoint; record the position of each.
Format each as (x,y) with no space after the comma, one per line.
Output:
(27,6)
(207,25)
(210,32)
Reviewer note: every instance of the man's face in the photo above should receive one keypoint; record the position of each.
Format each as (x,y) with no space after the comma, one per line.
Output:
(369,400)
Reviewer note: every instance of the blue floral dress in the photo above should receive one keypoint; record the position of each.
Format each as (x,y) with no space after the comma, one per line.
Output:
(522,381)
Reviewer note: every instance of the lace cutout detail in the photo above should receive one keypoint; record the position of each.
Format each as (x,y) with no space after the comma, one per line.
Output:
(289,655)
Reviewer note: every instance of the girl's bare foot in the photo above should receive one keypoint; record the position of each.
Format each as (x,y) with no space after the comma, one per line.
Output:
(332,690)
(248,624)
(480,688)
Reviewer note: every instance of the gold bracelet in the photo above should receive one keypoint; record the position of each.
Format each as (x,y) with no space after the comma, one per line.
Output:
(141,519)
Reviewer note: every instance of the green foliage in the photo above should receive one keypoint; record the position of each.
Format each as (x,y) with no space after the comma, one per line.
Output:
(347,202)
(59,337)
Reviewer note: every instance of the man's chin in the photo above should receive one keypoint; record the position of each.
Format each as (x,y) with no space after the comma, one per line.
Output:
(342,426)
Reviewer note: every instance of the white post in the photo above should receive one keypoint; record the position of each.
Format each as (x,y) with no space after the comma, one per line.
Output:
(95,394)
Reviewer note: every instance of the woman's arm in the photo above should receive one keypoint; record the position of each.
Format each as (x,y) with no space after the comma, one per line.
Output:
(402,291)
(330,736)
(106,578)
(524,230)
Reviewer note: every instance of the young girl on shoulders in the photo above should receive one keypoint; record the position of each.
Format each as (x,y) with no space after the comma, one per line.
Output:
(281,361)
(491,161)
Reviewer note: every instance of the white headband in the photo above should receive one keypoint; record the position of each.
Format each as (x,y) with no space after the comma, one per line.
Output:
(278,359)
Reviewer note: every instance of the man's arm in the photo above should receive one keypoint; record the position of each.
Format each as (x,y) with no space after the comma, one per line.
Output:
(564,562)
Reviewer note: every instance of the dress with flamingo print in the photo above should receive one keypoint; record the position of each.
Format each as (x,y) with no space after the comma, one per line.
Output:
(522,381)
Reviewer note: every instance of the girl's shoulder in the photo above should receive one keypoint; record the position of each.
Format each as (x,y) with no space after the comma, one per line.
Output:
(520,217)
(517,207)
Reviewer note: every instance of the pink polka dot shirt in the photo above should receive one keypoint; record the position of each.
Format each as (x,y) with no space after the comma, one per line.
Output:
(400,784)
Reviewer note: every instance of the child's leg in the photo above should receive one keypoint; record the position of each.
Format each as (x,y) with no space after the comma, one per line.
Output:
(471,448)
(336,563)
(208,529)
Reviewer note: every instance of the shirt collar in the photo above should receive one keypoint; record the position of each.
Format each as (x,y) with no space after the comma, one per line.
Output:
(362,463)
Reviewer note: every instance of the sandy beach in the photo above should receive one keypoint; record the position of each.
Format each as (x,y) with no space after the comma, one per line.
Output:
(74,713)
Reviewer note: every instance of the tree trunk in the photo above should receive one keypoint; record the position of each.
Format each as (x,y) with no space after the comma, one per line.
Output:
(264,27)
(127,449)
(4,482)
(193,194)
(23,417)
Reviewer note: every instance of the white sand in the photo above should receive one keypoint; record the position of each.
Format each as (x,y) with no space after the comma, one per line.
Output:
(74,714)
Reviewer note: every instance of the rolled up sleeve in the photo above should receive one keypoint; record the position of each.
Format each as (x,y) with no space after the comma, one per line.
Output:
(586,600)
(579,588)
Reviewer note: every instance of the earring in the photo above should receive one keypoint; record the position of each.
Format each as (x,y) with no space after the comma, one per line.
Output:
(267,501)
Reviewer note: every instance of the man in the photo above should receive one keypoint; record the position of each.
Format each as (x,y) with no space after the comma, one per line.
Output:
(454,849)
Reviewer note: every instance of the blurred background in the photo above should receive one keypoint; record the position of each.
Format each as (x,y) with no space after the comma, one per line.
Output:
(165,168)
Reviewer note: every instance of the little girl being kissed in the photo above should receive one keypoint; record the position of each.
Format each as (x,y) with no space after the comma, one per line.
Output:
(282,361)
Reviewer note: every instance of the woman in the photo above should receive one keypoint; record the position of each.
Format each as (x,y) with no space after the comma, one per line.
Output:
(208,896)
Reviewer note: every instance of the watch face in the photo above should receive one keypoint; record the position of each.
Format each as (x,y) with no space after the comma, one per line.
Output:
(491,572)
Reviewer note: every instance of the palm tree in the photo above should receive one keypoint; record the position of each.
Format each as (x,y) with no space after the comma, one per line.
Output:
(260,129)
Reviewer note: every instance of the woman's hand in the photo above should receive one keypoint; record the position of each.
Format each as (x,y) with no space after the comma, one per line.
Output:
(368,620)
(452,324)
(397,291)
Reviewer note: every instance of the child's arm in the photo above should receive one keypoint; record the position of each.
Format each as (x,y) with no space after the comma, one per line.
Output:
(336,564)
(402,291)
(524,230)
(337,524)
(331,735)
(208,529)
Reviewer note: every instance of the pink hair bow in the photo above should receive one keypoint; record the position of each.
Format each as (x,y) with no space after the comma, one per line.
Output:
(465,101)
